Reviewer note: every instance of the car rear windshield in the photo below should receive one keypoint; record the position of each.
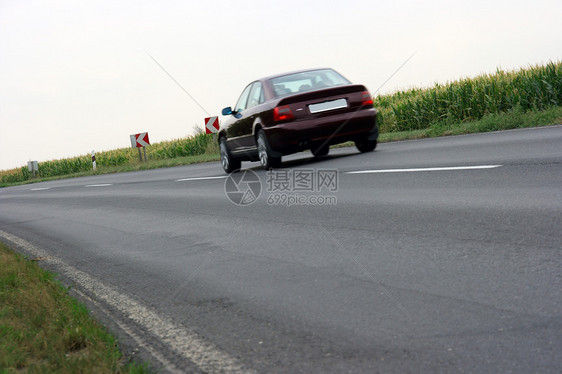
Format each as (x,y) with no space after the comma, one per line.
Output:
(306,81)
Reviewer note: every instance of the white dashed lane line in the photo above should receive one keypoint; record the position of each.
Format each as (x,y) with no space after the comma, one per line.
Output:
(99,185)
(111,184)
(451,168)
(374,171)
(201,178)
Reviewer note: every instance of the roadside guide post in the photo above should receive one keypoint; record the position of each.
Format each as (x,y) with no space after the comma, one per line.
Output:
(94,160)
(33,166)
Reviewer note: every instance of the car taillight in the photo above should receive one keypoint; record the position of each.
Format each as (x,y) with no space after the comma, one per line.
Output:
(366,98)
(282,113)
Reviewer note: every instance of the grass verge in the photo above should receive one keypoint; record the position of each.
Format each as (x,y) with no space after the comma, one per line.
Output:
(44,330)
(516,119)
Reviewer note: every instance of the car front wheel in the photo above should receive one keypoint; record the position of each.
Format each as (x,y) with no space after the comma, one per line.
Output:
(229,163)
(267,160)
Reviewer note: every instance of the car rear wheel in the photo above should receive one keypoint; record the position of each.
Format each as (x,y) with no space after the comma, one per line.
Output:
(265,153)
(365,145)
(229,163)
(320,151)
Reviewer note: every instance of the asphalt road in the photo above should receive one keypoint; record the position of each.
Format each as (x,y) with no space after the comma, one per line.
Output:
(442,255)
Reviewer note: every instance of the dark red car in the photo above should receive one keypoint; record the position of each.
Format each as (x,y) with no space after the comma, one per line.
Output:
(292,112)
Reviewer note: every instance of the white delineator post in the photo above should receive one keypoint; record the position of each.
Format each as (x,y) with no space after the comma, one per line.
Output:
(94,160)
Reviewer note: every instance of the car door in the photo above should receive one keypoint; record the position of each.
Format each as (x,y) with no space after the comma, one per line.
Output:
(255,98)
(235,131)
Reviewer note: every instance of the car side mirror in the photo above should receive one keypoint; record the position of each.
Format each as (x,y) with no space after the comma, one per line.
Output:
(227,111)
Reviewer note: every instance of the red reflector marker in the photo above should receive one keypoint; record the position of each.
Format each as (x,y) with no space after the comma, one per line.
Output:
(282,113)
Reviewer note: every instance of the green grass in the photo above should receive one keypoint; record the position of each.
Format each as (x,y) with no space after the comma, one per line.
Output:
(505,100)
(516,119)
(44,330)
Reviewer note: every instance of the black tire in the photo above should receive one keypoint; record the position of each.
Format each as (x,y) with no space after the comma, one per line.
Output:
(365,145)
(320,151)
(265,154)
(229,163)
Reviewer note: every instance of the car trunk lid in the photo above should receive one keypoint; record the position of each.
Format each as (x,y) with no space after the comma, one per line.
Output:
(327,101)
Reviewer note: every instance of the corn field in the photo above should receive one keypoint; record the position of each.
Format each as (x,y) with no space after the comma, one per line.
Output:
(535,88)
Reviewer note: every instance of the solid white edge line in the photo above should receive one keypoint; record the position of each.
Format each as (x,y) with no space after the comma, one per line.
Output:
(201,178)
(142,343)
(178,338)
(477,167)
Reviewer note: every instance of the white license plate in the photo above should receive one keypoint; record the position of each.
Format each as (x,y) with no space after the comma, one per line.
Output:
(327,105)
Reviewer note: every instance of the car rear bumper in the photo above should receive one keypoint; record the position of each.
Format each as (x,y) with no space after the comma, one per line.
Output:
(295,136)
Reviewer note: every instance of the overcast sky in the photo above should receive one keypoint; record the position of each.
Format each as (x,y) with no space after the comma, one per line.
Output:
(75,76)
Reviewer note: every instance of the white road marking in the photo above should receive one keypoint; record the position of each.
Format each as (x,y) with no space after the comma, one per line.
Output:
(99,185)
(477,167)
(201,178)
(174,335)
(141,342)
(40,189)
